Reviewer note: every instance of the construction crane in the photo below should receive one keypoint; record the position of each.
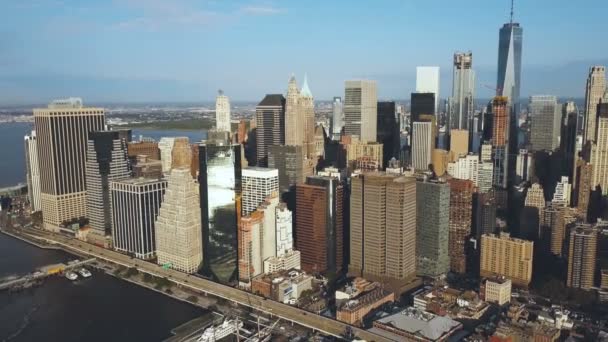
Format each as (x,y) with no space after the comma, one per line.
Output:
(491,87)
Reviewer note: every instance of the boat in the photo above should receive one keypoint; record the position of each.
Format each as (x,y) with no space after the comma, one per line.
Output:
(84,272)
(216,333)
(71,275)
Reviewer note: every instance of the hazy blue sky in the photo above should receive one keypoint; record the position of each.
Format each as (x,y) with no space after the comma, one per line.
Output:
(184,50)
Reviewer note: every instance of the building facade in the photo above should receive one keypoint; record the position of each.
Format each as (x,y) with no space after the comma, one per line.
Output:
(599,150)
(222,112)
(61,134)
(292,165)
(546,122)
(461,210)
(135,206)
(502,255)
(582,255)
(258,183)
(462,102)
(107,160)
(596,86)
(360,109)
(337,119)
(32,171)
(270,126)
(422,145)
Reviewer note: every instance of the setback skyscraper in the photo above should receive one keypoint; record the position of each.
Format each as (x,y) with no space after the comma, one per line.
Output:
(62,131)
(596,86)
(107,161)
(294,120)
(360,109)
(270,125)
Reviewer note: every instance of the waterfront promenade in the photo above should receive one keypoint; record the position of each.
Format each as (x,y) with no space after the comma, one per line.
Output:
(289,313)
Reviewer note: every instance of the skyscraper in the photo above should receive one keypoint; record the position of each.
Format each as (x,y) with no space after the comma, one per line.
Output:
(422,145)
(106,161)
(582,254)
(388,131)
(165,145)
(220,194)
(319,224)
(62,131)
(383,228)
(135,206)
(258,184)
(462,102)
(509,66)
(546,122)
(599,150)
(307,111)
(461,209)
(524,166)
(294,118)
(360,109)
(596,86)
(250,260)
(337,120)
(427,81)
(32,171)
(222,112)
(568,137)
(178,224)
(292,165)
(500,140)
(421,104)
(270,125)
(502,255)
(432,232)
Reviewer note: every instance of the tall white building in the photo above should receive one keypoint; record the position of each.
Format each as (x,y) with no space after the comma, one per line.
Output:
(523,166)
(596,86)
(32,171)
(178,225)
(361,109)
(135,206)
(563,190)
(165,145)
(427,81)
(422,144)
(222,112)
(337,120)
(284,232)
(258,183)
(466,167)
(599,151)
(545,122)
(462,104)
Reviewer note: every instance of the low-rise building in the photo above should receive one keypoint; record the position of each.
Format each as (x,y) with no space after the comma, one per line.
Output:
(285,286)
(413,324)
(496,290)
(359,299)
(289,260)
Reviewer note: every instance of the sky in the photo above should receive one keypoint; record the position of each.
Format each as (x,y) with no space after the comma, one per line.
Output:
(185,50)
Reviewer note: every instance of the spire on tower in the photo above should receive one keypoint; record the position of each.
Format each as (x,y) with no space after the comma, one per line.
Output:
(305,90)
(511,11)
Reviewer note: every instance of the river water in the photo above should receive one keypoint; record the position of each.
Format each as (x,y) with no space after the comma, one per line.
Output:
(101,308)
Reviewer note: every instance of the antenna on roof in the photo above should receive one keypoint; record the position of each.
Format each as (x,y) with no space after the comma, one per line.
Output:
(511,11)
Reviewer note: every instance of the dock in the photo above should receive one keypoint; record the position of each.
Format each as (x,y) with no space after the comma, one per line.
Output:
(43,272)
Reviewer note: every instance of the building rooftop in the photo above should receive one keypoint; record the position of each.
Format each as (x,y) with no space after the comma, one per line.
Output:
(272,100)
(417,322)
(139,181)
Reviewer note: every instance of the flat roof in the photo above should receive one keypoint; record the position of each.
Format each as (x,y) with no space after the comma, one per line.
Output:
(417,322)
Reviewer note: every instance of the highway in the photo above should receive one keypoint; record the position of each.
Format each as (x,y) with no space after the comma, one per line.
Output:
(289,313)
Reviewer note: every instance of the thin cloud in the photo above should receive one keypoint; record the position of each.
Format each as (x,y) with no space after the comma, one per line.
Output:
(261,10)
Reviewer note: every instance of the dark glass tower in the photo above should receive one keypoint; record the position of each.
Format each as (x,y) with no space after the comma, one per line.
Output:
(388,131)
(421,103)
(220,192)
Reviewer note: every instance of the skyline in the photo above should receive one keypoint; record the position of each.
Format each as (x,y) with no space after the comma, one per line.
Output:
(123,62)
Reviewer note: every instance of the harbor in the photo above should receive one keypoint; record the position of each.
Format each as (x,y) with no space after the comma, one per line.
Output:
(13,283)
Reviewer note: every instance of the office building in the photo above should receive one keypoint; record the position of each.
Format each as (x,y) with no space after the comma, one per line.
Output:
(508,82)
(582,255)
(360,109)
(502,255)
(319,224)
(459,142)
(222,112)
(422,145)
(546,122)
(388,131)
(165,145)
(427,81)
(462,102)
(307,112)
(553,228)
(440,160)
(250,247)
(596,86)
(421,104)
(584,175)
(258,183)
(466,167)
(292,165)
(220,196)
(135,206)
(500,141)
(383,228)
(270,126)
(146,167)
(599,150)
(294,120)
(337,119)
(568,137)
(524,166)
(106,161)
(485,176)
(496,290)
(284,230)
(563,190)
(32,170)
(357,149)
(484,214)
(460,221)
(319,143)
(62,131)
(242,131)
(146,148)
(432,228)
(178,224)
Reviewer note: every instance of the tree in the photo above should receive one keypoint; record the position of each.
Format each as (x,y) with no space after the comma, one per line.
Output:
(147,278)
(193,299)
(132,271)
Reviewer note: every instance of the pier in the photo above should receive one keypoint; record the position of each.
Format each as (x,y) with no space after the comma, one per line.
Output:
(42,273)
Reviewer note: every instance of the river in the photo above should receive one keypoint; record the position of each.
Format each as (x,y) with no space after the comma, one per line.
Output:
(101,308)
